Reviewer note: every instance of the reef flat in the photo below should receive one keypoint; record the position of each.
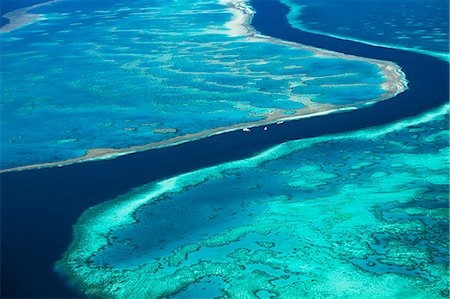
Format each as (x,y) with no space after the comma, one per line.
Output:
(188,69)
(370,220)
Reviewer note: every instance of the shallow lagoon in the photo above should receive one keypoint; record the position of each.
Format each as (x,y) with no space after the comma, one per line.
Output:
(161,72)
(371,219)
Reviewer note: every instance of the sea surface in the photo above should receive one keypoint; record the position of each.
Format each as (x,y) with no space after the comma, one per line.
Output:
(314,214)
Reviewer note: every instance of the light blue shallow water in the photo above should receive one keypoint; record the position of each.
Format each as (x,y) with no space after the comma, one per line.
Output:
(418,25)
(115,74)
(358,215)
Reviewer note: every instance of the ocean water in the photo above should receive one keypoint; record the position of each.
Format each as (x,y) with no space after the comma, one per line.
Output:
(369,220)
(126,74)
(416,25)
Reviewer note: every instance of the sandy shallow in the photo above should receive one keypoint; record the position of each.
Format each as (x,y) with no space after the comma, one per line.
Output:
(239,25)
(22,17)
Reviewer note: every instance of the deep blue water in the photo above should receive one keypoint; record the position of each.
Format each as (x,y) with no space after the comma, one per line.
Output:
(39,207)
(414,24)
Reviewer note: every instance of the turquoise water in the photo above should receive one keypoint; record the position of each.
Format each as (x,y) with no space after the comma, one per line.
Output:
(115,74)
(369,221)
(417,25)
(356,215)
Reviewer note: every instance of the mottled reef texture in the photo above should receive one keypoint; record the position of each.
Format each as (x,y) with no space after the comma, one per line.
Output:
(360,215)
(192,69)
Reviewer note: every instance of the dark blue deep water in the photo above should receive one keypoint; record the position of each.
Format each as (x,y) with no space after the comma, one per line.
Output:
(413,24)
(39,207)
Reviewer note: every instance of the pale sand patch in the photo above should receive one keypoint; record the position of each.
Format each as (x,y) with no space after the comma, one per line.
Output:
(165,130)
(292,67)
(21,17)
(150,124)
(130,129)
(236,25)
